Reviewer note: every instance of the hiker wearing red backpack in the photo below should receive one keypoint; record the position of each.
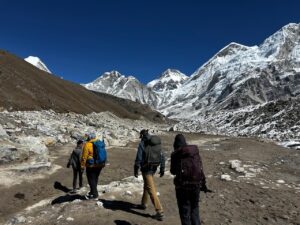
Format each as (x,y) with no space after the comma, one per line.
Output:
(186,165)
(93,159)
(149,156)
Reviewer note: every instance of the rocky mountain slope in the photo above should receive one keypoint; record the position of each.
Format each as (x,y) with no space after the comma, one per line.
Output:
(237,76)
(170,80)
(235,80)
(246,90)
(37,62)
(121,86)
(240,76)
(24,87)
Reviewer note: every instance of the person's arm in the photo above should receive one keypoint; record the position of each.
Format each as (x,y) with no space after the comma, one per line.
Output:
(162,164)
(173,164)
(202,172)
(138,159)
(84,156)
(139,155)
(70,159)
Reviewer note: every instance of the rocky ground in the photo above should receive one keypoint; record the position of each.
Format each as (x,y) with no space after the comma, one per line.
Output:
(25,138)
(254,182)
(276,120)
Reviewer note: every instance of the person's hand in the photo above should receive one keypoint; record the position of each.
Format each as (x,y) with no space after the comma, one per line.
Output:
(162,173)
(204,188)
(136,171)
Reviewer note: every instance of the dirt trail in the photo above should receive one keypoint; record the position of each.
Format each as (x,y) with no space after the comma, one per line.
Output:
(261,199)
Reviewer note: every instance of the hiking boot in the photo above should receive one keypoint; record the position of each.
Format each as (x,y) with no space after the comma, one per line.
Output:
(159,216)
(73,191)
(89,196)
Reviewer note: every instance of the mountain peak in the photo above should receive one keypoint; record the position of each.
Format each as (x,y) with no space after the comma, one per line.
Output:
(114,73)
(281,42)
(232,48)
(169,80)
(37,62)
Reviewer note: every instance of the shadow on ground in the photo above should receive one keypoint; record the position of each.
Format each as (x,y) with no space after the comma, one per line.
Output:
(66,198)
(57,185)
(123,206)
(122,222)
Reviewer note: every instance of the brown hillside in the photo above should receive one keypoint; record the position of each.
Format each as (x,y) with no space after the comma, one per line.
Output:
(24,87)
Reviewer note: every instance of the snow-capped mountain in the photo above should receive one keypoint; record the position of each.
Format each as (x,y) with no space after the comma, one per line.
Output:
(239,76)
(37,62)
(240,90)
(121,86)
(171,79)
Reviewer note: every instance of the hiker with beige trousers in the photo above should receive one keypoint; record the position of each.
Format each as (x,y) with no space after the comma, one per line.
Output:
(148,158)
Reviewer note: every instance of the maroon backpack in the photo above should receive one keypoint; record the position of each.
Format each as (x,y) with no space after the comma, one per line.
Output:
(189,168)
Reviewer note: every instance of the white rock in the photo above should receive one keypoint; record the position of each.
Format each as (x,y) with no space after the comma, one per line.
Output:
(234,163)
(17,220)
(250,175)
(60,217)
(2,132)
(280,181)
(35,144)
(70,219)
(100,204)
(226,177)
(129,193)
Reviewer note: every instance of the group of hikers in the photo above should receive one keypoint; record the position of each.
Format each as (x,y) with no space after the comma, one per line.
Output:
(186,165)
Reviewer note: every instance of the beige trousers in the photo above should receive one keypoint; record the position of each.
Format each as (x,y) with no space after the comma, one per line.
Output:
(150,190)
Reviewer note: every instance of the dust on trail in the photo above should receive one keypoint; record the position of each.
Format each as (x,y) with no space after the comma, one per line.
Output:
(269,196)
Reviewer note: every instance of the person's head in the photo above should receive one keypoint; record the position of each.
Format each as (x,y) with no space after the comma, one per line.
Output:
(179,141)
(143,133)
(91,136)
(79,143)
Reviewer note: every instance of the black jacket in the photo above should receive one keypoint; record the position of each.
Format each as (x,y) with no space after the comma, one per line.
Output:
(176,157)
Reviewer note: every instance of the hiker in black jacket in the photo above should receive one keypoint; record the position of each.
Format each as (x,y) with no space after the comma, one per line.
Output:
(186,165)
(149,156)
(74,161)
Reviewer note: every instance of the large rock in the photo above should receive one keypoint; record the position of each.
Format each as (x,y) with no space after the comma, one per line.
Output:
(11,153)
(2,132)
(35,144)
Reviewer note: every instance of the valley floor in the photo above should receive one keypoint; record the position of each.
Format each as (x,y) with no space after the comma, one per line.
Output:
(262,187)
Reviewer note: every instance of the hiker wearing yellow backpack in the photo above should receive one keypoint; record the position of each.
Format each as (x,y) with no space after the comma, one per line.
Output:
(93,159)
(149,156)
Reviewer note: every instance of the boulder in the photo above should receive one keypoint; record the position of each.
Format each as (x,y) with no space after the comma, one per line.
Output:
(34,144)
(2,132)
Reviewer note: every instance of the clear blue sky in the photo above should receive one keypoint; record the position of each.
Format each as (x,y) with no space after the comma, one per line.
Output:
(79,40)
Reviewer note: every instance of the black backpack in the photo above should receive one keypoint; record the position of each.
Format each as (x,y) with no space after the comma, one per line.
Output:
(190,170)
(152,151)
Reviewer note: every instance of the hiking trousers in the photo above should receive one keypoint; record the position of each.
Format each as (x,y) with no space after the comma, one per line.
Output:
(188,205)
(92,174)
(77,173)
(150,190)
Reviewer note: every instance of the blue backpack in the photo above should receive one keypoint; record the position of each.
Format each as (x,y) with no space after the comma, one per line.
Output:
(100,155)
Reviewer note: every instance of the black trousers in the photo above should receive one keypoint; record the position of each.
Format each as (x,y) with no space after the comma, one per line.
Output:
(76,173)
(92,174)
(188,205)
